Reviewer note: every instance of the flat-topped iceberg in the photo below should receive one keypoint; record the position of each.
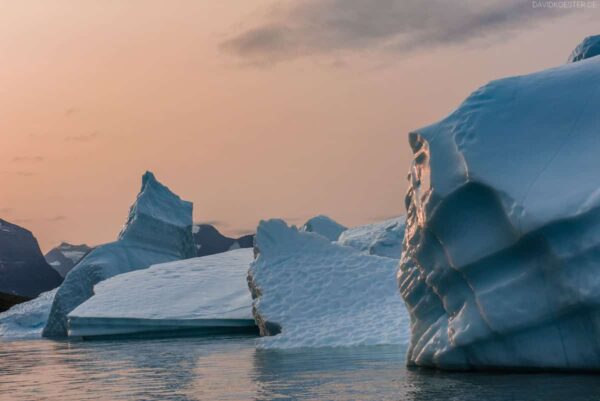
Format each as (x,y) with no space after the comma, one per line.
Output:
(208,293)
(501,261)
(383,238)
(310,292)
(325,226)
(158,230)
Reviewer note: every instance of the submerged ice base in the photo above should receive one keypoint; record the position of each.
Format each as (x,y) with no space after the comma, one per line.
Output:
(314,293)
(501,262)
(205,293)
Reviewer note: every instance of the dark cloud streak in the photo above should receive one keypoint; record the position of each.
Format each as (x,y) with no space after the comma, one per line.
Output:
(313,27)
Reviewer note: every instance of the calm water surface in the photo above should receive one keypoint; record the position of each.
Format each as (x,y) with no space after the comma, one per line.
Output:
(232,369)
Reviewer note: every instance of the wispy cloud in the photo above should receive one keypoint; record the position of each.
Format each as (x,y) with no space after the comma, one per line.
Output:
(6,209)
(317,27)
(27,159)
(47,219)
(82,137)
(70,111)
(18,173)
(219,223)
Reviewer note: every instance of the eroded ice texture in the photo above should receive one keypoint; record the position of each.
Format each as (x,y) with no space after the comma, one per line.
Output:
(324,226)
(382,238)
(158,230)
(26,320)
(590,47)
(318,293)
(501,261)
(204,292)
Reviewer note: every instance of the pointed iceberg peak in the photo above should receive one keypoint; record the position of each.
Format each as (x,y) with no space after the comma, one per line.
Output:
(590,47)
(160,210)
(157,202)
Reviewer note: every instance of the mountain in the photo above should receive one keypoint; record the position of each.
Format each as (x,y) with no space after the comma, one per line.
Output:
(9,300)
(501,258)
(23,269)
(158,230)
(209,240)
(65,256)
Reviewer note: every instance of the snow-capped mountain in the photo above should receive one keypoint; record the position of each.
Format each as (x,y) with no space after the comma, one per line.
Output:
(158,230)
(209,240)
(501,260)
(23,269)
(65,256)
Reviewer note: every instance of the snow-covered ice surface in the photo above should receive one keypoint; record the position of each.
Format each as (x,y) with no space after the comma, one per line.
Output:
(158,230)
(324,226)
(26,320)
(320,294)
(501,261)
(208,292)
(590,47)
(383,238)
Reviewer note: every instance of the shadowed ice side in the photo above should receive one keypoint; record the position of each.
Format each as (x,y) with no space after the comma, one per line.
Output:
(501,262)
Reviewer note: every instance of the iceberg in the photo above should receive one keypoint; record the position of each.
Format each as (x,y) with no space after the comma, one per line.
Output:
(324,226)
(590,47)
(501,261)
(26,320)
(158,230)
(311,292)
(207,293)
(382,238)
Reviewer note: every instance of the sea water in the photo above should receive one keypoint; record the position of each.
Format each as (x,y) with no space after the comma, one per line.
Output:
(231,368)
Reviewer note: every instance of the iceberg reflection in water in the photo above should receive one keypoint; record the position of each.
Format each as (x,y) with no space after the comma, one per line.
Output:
(230,368)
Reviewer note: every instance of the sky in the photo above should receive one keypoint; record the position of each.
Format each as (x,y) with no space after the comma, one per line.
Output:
(250,109)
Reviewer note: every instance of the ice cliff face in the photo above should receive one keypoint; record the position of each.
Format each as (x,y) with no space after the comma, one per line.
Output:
(382,238)
(324,226)
(65,256)
(158,229)
(27,319)
(590,47)
(23,269)
(310,292)
(501,262)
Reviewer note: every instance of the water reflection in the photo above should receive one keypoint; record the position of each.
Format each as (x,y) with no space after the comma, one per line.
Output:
(232,369)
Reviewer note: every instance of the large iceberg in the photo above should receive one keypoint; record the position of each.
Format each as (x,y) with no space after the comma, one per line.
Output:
(501,261)
(383,238)
(158,230)
(207,293)
(310,292)
(325,226)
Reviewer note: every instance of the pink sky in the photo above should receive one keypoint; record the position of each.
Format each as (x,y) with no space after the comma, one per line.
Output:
(94,93)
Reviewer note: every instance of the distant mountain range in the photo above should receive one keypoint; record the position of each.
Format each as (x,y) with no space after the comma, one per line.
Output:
(65,256)
(23,269)
(209,240)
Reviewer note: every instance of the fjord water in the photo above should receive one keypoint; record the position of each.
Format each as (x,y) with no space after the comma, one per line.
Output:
(231,368)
